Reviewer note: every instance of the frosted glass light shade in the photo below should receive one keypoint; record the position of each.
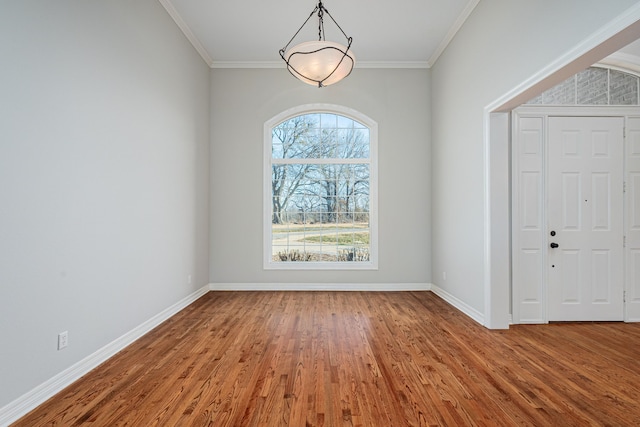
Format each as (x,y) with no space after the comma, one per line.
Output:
(320,63)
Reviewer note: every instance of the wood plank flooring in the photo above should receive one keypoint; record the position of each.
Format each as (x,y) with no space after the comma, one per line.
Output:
(355,359)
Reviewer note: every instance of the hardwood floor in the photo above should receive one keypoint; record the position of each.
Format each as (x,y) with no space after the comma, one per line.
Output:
(355,359)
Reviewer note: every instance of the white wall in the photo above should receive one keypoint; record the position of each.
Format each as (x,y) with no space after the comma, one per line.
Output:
(502,44)
(243,99)
(104,131)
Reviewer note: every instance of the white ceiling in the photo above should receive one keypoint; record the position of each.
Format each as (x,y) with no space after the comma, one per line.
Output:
(385,33)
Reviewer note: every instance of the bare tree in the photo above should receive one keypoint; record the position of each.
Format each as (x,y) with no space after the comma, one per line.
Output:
(305,186)
(295,139)
(340,183)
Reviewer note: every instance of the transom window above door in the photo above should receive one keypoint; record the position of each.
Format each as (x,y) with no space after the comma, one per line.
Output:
(593,86)
(320,190)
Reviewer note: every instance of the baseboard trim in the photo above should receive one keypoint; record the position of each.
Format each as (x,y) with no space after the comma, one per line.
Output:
(30,400)
(386,287)
(459,304)
(381,287)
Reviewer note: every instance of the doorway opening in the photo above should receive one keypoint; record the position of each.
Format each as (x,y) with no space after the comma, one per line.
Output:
(497,280)
(575,196)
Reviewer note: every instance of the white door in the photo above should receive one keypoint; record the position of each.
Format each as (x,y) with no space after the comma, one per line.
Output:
(585,218)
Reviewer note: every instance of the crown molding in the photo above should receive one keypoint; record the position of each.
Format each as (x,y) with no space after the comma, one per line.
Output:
(173,13)
(247,64)
(452,31)
(280,64)
(171,10)
(393,64)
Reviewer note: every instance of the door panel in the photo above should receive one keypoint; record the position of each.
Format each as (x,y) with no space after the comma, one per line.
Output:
(601,206)
(585,209)
(528,222)
(601,274)
(571,206)
(571,261)
(632,194)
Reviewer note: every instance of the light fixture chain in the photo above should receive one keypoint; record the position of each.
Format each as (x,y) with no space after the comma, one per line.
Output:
(337,25)
(300,29)
(320,8)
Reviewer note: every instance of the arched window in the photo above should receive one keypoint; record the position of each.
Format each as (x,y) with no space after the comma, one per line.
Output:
(320,189)
(593,86)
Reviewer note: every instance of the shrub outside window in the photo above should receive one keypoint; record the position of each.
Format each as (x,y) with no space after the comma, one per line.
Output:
(320,190)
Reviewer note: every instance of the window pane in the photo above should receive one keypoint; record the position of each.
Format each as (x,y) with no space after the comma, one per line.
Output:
(329,142)
(563,93)
(313,119)
(328,121)
(623,88)
(359,125)
(363,135)
(277,151)
(320,136)
(592,85)
(345,122)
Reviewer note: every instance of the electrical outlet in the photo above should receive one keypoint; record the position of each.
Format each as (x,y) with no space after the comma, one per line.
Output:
(188,279)
(63,340)
(444,275)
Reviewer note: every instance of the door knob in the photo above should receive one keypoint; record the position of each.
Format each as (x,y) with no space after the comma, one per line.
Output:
(554,245)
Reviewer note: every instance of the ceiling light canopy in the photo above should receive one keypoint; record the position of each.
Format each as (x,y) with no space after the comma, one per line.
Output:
(319,63)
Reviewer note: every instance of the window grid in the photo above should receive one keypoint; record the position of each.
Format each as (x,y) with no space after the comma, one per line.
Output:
(320,181)
(593,86)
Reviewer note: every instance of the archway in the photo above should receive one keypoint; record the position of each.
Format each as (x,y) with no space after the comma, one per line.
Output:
(497,282)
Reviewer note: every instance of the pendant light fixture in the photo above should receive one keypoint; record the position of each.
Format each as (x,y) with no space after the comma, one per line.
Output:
(319,63)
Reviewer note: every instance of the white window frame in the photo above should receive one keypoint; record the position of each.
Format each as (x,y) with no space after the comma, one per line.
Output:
(372,264)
